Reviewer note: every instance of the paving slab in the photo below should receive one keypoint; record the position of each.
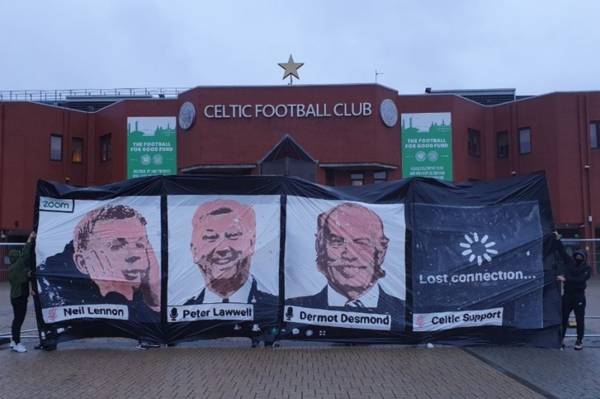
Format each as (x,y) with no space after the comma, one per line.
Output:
(562,374)
(335,372)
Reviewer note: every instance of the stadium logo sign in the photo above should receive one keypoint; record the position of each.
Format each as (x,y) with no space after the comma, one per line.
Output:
(313,110)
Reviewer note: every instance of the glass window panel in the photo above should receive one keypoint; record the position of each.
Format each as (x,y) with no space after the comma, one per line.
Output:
(594,130)
(105,148)
(502,145)
(55,147)
(77,150)
(525,141)
(357,179)
(380,175)
(474,143)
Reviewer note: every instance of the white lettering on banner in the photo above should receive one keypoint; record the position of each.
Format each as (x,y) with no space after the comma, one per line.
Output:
(337,318)
(449,320)
(211,311)
(475,277)
(249,111)
(106,311)
(56,205)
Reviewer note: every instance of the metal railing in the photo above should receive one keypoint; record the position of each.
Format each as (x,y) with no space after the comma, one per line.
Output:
(588,335)
(86,94)
(27,333)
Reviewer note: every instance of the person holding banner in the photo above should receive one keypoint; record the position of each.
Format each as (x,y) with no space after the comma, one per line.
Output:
(574,276)
(350,247)
(18,277)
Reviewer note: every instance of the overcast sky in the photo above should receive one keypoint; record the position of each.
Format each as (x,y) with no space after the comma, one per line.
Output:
(533,46)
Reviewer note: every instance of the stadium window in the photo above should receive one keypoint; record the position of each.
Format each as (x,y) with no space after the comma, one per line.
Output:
(77,150)
(524,140)
(330,177)
(380,176)
(595,134)
(56,147)
(105,148)
(474,143)
(502,144)
(357,179)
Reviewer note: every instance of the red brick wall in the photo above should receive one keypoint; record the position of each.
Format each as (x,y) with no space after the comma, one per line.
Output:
(25,145)
(559,125)
(336,140)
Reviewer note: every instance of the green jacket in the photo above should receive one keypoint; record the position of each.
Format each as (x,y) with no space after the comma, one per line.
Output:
(18,270)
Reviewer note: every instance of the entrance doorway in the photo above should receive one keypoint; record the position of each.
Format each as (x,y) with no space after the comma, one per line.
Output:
(288,158)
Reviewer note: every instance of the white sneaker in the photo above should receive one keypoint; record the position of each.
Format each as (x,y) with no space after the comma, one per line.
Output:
(19,348)
(12,344)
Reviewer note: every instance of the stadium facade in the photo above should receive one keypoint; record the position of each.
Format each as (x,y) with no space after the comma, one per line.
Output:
(331,134)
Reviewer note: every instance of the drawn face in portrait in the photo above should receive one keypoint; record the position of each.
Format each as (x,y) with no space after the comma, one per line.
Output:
(351,247)
(223,238)
(115,252)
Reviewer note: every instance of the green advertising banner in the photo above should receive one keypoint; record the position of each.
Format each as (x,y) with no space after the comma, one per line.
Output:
(427,145)
(151,146)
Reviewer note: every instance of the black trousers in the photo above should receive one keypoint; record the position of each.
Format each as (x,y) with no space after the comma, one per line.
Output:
(573,302)
(19,309)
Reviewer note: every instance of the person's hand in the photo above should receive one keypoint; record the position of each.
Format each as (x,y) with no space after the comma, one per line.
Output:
(31,236)
(561,278)
(556,235)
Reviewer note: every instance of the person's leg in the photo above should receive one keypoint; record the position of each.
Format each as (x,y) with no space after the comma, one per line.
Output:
(20,310)
(580,318)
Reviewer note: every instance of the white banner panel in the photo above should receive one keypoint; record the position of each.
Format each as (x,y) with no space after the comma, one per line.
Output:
(447,320)
(211,311)
(105,253)
(60,313)
(338,318)
(223,248)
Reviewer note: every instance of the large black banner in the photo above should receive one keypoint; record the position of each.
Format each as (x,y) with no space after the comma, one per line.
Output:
(169,259)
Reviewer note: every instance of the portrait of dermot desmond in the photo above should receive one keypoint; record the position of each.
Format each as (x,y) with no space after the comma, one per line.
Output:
(351,247)
(110,260)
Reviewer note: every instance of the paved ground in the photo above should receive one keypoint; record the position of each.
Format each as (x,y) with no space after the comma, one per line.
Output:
(564,374)
(112,368)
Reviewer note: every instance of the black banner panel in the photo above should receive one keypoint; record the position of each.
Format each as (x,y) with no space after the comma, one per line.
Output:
(179,258)
(477,266)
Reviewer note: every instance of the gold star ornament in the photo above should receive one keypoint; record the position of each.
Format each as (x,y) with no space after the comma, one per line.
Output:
(291,68)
